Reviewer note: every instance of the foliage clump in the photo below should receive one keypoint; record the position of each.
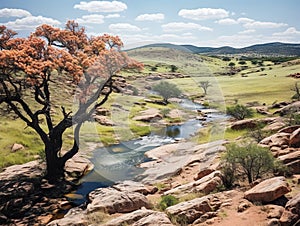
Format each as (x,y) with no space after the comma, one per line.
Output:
(167,90)
(239,112)
(166,201)
(250,160)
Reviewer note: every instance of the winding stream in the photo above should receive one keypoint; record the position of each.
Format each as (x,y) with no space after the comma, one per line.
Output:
(119,162)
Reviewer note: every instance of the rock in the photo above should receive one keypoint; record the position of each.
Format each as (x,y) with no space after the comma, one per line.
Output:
(190,211)
(204,172)
(244,124)
(274,211)
(75,216)
(291,213)
(171,159)
(148,118)
(292,161)
(274,126)
(102,111)
(273,222)
(17,147)
(204,185)
(77,167)
(244,204)
(289,129)
(33,169)
(293,107)
(132,186)
(141,218)
(295,139)
(103,120)
(110,200)
(296,179)
(277,139)
(268,190)
(263,110)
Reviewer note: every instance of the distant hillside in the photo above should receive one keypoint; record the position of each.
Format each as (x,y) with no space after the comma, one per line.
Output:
(270,49)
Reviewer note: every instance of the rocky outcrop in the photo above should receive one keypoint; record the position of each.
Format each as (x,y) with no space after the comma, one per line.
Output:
(292,161)
(291,214)
(268,190)
(149,115)
(244,124)
(132,186)
(17,147)
(204,185)
(290,108)
(75,217)
(170,159)
(111,200)
(295,139)
(141,218)
(77,167)
(103,120)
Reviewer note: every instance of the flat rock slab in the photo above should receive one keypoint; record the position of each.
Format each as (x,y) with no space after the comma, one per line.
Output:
(111,200)
(268,190)
(141,218)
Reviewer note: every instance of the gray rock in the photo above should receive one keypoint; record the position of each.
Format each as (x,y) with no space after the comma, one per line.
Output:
(141,218)
(268,190)
(204,185)
(75,216)
(17,147)
(110,200)
(132,186)
(191,210)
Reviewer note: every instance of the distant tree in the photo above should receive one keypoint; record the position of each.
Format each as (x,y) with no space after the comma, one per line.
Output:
(239,112)
(32,68)
(226,59)
(204,85)
(174,68)
(231,64)
(154,68)
(252,160)
(167,90)
(296,89)
(242,62)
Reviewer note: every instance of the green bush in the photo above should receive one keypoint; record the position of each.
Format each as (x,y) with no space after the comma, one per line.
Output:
(166,201)
(251,160)
(239,112)
(167,90)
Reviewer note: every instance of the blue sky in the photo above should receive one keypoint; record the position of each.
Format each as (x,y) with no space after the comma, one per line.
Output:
(236,23)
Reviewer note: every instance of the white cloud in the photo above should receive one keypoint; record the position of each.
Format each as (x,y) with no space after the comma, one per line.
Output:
(115,15)
(262,25)
(180,26)
(250,31)
(102,6)
(288,32)
(91,19)
(123,27)
(31,22)
(227,21)
(150,17)
(203,13)
(14,13)
(244,20)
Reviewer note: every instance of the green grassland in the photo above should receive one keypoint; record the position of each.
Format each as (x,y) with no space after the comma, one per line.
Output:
(265,83)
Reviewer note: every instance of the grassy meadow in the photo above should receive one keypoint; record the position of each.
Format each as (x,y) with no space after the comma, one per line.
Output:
(264,83)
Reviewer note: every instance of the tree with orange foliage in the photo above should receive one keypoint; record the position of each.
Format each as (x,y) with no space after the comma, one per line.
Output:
(34,65)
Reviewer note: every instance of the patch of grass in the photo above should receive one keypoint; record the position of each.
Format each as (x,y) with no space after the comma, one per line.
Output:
(167,201)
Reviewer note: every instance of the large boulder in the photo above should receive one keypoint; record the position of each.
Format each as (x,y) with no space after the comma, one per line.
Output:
(291,214)
(149,115)
(268,190)
(141,218)
(244,124)
(190,211)
(293,107)
(277,139)
(204,185)
(77,167)
(295,139)
(292,161)
(111,200)
(75,216)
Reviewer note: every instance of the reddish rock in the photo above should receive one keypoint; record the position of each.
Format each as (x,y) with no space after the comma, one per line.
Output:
(289,129)
(277,139)
(295,139)
(291,215)
(17,147)
(244,124)
(204,172)
(268,190)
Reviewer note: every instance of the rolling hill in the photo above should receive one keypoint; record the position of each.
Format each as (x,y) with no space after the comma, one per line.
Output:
(267,49)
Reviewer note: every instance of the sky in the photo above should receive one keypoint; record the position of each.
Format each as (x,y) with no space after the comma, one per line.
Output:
(213,23)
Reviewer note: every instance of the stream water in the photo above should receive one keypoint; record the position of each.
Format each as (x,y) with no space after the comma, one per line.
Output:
(119,162)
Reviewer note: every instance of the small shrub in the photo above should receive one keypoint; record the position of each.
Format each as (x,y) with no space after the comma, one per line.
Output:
(239,112)
(166,201)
